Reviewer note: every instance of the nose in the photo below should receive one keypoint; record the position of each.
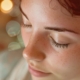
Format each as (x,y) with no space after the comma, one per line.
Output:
(33,51)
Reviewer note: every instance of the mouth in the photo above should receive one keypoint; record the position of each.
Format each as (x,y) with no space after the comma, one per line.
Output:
(38,73)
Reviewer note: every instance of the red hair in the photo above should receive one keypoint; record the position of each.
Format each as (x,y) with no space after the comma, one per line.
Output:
(73,6)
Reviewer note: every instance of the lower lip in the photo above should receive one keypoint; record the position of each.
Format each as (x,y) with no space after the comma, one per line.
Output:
(38,73)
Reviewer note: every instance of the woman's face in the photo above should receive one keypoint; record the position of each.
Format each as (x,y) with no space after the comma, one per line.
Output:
(52,40)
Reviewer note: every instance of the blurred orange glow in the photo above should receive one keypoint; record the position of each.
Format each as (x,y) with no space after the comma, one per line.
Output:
(6,6)
(2,46)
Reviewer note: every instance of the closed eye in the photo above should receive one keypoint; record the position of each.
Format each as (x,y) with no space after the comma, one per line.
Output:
(26,25)
(59,45)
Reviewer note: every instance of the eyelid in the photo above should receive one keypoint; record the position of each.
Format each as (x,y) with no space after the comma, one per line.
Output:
(26,22)
(57,42)
(62,37)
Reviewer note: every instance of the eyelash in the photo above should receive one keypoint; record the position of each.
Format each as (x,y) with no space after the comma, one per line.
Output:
(60,45)
(25,25)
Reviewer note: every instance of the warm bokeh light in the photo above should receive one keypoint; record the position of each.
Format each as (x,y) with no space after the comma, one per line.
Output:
(6,6)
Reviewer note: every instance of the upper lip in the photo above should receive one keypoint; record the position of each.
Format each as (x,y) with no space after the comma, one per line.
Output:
(38,70)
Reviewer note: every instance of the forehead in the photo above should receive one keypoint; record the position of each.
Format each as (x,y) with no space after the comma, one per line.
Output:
(49,12)
(46,5)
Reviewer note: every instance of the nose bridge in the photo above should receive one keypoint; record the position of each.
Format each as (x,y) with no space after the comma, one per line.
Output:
(34,39)
(32,50)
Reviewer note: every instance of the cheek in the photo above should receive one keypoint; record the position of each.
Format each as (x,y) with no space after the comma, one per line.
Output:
(25,36)
(65,61)
(71,57)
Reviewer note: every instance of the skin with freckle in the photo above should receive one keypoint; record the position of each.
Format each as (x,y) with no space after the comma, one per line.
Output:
(51,51)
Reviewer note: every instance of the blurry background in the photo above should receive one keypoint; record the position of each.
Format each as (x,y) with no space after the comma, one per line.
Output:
(10,19)
(12,65)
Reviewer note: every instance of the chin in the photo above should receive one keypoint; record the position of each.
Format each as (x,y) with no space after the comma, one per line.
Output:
(51,77)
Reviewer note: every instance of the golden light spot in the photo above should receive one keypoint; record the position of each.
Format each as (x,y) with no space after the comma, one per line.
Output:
(6,6)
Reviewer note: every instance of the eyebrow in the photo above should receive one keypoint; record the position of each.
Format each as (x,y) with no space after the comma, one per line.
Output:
(60,29)
(22,12)
(50,28)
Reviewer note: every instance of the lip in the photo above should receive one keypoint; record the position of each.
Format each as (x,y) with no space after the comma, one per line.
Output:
(38,73)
